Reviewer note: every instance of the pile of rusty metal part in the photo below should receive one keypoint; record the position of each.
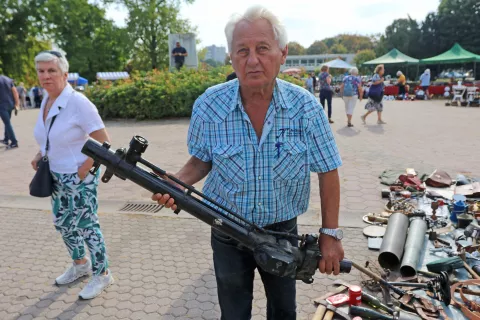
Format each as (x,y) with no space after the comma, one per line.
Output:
(428,266)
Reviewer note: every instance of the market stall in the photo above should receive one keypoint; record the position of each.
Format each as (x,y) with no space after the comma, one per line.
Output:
(456,54)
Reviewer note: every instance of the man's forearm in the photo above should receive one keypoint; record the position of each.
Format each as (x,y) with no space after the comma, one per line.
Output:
(330,198)
(193,171)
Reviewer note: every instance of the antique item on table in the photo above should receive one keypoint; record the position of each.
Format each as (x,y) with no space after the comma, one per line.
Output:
(394,241)
(439,179)
(413,247)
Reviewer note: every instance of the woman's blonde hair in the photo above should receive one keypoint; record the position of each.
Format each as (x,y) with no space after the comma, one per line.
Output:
(324,68)
(377,68)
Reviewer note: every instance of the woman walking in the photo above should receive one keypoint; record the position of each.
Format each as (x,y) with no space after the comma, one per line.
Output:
(401,81)
(375,95)
(326,92)
(350,90)
(66,120)
(425,83)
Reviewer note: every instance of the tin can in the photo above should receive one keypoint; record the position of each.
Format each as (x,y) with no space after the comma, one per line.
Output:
(355,295)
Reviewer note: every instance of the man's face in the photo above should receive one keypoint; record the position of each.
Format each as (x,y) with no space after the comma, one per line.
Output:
(255,55)
(50,76)
(178,44)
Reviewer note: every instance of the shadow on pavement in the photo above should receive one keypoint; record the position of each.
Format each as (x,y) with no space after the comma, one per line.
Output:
(377,128)
(46,301)
(348,132)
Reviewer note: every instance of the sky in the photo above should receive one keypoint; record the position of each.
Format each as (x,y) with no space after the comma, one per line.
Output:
(305,20)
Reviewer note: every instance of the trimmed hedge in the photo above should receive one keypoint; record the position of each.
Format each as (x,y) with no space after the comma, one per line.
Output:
(157,94)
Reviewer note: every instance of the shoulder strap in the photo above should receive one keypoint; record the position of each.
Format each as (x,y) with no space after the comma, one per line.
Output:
(48,140)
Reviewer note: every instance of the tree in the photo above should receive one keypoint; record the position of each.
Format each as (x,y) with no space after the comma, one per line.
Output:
(91,42)
(363,56)
(149,24)
(338,48)
(19,22)
(404,35)
(201,54)
(228,61)
(318,47)
(295,49)
(457,19)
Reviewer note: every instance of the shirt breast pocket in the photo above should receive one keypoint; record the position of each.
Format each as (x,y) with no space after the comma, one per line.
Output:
(292,162)
(229,161)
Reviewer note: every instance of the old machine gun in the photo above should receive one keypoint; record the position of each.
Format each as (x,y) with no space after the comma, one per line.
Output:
(278,257)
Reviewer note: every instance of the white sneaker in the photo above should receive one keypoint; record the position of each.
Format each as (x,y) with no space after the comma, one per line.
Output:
(96,286)
(74,272)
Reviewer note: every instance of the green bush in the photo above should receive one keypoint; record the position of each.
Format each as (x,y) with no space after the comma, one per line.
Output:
(157,94)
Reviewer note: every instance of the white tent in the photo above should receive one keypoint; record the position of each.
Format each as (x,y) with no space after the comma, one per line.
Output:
(338,63)
(112,75)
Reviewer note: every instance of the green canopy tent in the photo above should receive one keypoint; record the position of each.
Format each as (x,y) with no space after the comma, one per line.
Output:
(455,55)
(394,57)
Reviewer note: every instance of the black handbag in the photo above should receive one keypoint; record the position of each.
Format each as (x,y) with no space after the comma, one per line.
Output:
(42,183)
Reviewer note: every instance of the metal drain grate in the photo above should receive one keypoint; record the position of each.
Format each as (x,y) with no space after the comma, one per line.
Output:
(141,207)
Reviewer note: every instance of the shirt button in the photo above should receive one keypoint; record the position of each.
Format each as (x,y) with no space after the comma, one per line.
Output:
(259,177)
(259,204)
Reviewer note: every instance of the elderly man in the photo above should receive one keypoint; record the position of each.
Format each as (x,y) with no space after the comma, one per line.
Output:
(258,138)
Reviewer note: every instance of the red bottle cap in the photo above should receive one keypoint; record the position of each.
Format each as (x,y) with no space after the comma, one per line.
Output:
(355,295)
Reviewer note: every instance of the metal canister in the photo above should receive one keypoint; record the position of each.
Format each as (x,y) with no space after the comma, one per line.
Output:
(355,295)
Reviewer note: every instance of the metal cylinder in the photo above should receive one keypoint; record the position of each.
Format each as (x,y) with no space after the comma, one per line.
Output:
(413,247)
(393,241)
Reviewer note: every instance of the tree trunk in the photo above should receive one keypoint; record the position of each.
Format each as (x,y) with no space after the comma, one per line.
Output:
(153,51)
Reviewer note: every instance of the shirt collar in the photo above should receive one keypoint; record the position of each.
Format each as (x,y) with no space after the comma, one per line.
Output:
(278,96)
(60,102)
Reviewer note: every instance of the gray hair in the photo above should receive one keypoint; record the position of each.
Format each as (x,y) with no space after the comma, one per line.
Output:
(61,62)
(399,73)
(354,70)
(252,14)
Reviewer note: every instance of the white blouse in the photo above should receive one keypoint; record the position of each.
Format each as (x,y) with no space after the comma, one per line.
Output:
(76,118)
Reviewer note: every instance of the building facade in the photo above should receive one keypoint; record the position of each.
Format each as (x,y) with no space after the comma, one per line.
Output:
(314,61)
(216,53)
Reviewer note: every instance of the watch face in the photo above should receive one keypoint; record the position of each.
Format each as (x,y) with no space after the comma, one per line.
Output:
(339,234)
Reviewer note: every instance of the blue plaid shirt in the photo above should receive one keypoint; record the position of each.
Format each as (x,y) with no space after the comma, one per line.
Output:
(268,180)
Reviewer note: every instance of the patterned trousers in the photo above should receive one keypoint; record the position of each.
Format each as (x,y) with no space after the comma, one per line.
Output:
(74,207)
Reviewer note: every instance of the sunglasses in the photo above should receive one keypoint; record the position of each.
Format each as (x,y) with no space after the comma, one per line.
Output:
(55,53)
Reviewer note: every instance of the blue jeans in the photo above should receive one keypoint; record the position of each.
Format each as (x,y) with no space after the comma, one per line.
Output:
(235,271)
(9,134)
(326,95)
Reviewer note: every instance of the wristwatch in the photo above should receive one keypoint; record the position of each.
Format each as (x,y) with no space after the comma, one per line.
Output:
(335,233)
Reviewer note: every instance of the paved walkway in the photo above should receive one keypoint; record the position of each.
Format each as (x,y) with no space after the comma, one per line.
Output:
(162,269)
(161,263)
(421,134)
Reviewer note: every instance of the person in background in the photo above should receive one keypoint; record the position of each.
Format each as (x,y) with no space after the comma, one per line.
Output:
(22,96)
(425,82)
(314,81)
(179,53)
(375,95)
(74,198)
(351,89)
(401,81)
(309,84)
(8,102)
(326,91)
(37,96)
